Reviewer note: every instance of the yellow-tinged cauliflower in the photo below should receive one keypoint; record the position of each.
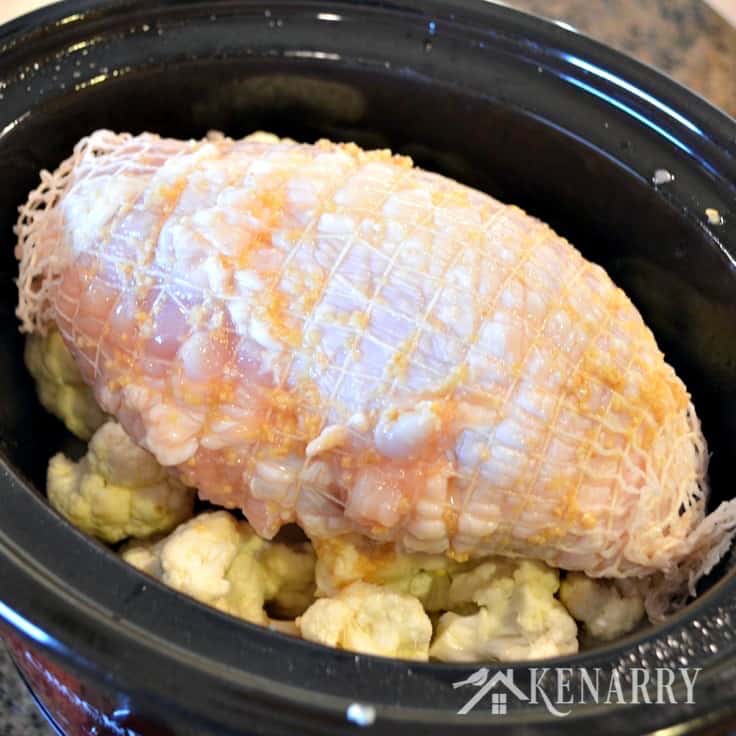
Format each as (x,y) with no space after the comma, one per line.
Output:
(222,562)
(59,384)
(515,614)
(346,559)
(607,608)
(369,619)
(496,608)
(289,571)
(117,490)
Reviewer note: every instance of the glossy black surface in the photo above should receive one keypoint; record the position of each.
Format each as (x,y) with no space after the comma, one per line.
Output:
(524,110)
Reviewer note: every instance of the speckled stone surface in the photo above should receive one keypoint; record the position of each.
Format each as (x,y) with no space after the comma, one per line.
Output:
(18,713)
(683,38)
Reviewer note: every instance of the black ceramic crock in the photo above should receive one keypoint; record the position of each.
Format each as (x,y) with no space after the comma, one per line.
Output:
(527,111)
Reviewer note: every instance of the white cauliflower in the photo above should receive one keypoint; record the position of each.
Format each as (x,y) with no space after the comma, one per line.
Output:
(222,562)
(346,559)
(496,608)
(515,614)
(369,619)
(59,384)
(117,490)
(607,608)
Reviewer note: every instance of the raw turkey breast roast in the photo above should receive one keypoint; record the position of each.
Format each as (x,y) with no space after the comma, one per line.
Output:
(328,336)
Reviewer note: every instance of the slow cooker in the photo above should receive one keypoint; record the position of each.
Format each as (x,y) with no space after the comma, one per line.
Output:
(622,161)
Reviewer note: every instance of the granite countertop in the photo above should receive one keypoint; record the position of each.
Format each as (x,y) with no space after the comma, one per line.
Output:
(683,38)
(18,713)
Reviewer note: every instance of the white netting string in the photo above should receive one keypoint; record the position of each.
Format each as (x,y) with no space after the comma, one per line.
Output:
(671,531)
(41,248)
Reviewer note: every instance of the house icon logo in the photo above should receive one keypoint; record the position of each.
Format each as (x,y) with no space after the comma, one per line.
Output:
(651,686)
(484,685)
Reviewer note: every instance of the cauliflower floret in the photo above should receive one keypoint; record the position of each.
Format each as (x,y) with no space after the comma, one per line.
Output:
(370,619)
(224,563)
(607,608)
(141,556)
(347,559)
(289,575)
(59,384)
(117,490)
(516,615)
(495,608)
